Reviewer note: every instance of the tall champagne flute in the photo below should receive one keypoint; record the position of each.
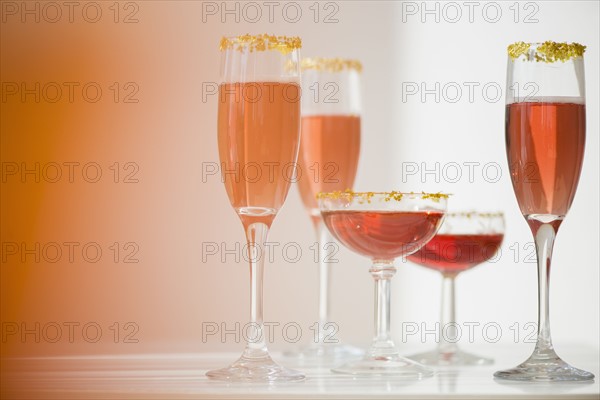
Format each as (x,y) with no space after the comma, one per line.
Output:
(259,136)
(329,151)
(545,140)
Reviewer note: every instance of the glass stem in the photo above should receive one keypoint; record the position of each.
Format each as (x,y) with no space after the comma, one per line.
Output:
(544,234)
(256,346)
(324,282)
(382,272)
(448,332)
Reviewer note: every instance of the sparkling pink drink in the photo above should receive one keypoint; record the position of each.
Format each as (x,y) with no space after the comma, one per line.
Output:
(328,157)
(383,235)
(258,134)
(545,143)
(454,253)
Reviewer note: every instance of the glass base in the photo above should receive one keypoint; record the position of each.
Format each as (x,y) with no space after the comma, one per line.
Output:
(326,352)
(457,357)
(550,369)
(392,365)
(255,370)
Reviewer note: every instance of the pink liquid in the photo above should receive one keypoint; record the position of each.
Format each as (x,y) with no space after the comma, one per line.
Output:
(383,235)
(328,157)
(545,143)
(449,253)
(259,135)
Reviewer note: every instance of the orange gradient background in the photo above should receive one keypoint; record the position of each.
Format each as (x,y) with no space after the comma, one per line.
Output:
(159,214)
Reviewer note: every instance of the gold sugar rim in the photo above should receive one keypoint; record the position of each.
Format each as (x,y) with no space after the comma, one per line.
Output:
(547,52)
(366,196)
(330,64)
(262,42)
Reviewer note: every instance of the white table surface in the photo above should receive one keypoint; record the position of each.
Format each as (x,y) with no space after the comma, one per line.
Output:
(181,376)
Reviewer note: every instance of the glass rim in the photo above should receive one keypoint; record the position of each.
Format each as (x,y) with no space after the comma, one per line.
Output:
(548,51)
(387,196)
(261,42)
(330,64)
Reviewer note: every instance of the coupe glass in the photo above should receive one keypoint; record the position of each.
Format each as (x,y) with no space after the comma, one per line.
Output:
(545,140)
(383,226)
(328,159)
(259,136)
(464,241)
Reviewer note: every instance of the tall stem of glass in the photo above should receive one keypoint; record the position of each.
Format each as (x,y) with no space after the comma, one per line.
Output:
(544,364)
(544,243)
(382,272)
(256,347)
(326,345)
(324,282)
(448,333)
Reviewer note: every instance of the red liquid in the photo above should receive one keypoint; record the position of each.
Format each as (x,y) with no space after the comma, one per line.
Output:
(455,253)
(383,235)
(259,135)
(545,144)
(328,156)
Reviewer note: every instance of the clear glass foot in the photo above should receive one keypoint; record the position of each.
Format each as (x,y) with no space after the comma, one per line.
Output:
(392,365)
(544,368)
(262,369)
(326,352)
(441,358)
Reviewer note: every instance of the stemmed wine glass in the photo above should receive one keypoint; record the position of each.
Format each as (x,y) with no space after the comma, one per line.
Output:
(545,141)
(383,226)
(465,240)
(259,136)
(328,159)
